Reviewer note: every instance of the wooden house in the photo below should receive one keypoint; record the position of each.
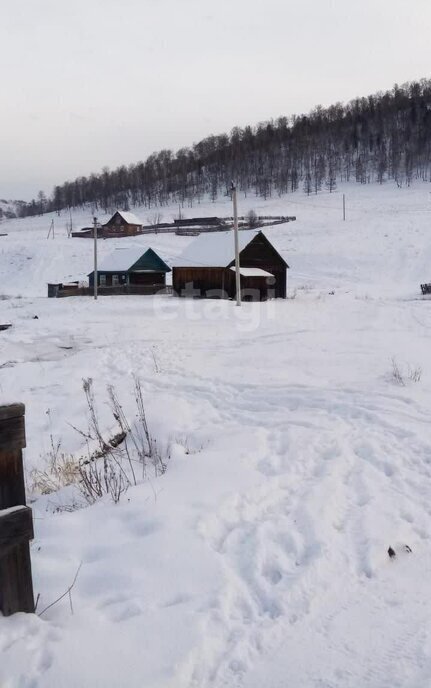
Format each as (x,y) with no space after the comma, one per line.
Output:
(122,223)
(207,267)
(131,266)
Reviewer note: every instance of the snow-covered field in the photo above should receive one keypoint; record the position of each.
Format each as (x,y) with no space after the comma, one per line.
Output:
(260,557)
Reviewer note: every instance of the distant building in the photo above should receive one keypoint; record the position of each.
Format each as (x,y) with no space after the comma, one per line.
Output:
(203,221)
(131,266)
(207,267)
(122,223)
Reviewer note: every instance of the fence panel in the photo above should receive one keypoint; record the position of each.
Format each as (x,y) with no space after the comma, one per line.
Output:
(16,523)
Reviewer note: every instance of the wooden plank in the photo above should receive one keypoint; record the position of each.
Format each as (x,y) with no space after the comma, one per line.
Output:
(11,411)
(12,487)
(16,589)
(16,526)
(12,432)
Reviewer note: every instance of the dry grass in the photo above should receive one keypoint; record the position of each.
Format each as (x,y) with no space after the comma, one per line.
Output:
(60,471)
(399,376)
(111,466)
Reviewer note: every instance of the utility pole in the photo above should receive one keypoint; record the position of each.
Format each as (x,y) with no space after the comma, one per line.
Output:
(69,234)
(235,231)
(95,257)
(344,206)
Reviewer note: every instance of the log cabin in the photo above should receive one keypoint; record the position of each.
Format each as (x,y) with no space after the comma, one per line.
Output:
(207,268)
(122,223)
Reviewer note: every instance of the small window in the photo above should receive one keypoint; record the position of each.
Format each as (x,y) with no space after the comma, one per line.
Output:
(115,280)
(102,280)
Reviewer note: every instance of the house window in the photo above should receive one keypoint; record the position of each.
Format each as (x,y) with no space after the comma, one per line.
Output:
(115,280)
(102,280)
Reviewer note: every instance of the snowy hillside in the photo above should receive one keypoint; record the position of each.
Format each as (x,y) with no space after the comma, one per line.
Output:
(295,458)
(385,225)
(8,209)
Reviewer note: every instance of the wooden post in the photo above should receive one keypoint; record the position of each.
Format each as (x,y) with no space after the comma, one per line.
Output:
(51,229)
(16,524)
(95,273)
(344,206)
(235,231)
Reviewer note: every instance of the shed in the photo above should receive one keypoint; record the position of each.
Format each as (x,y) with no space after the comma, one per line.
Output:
(207,267)
(134,266)
(54,288)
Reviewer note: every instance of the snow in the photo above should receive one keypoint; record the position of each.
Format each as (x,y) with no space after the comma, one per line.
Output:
(253,272)
(213,250)
(7,207)
(121,259)
(129,218)
(260,557)
(11,510)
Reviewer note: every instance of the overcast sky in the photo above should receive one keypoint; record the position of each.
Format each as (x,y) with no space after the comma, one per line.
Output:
(89,83)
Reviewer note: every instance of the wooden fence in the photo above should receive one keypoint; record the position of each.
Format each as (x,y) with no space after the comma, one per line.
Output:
(201,224)
(126,289)
(16,523)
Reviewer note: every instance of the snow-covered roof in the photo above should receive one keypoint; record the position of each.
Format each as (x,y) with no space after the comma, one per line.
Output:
(213,250)
(129,218)
(121,259)
(253,272)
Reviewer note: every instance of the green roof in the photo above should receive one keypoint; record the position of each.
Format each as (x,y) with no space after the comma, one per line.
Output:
(150,261)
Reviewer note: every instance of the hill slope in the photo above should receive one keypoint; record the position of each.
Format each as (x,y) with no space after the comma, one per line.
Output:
(385,226)
(296,459)
(371,139)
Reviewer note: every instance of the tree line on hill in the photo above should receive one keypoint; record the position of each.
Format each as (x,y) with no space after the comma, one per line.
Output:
(385,136)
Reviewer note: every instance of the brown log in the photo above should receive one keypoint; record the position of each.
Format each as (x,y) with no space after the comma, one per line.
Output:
(16,588)
(16,526)
(11,411)
(12,433)
(12,488)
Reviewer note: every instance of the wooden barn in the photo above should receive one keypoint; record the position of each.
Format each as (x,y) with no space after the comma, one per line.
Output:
(207,267)
(131,266)
(122,223)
